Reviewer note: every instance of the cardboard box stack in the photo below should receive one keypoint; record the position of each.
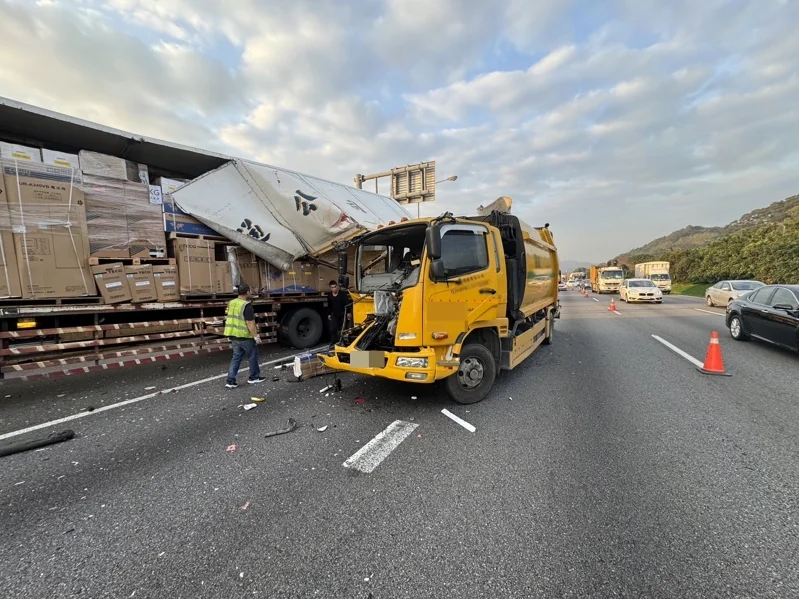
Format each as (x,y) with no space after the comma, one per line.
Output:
(122,223)
(9,272)
(47,221)
(175,220)
(111,167)
(141,283)
(112,282)
(19,152)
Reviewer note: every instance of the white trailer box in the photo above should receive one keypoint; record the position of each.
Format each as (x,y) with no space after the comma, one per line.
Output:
(280,215)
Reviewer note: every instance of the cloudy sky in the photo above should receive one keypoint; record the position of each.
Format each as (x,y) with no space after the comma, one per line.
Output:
(616,121)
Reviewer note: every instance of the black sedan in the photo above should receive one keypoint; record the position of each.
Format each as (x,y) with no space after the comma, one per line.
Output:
(770,313)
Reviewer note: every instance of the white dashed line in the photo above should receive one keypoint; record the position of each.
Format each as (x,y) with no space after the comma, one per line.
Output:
(368,457)
(463,423)
(595,299)
(127,402)
(708,312)
(677,350)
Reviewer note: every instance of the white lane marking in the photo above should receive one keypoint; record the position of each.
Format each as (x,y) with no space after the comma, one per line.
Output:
(708,312)
(368,457)
(140,398)
(595,299)
(677,350)
(463,423)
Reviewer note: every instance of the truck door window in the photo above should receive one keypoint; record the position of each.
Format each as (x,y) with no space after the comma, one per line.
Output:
(464,250)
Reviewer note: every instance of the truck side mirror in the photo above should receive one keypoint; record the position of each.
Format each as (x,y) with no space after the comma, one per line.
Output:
(433,242)
(437,270)
(344,282)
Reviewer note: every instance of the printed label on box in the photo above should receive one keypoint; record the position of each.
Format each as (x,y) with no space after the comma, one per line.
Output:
(112,285)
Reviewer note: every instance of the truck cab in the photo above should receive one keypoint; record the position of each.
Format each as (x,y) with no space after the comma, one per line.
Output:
(450,299)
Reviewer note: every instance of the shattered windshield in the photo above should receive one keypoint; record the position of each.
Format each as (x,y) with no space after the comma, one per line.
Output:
(390,260)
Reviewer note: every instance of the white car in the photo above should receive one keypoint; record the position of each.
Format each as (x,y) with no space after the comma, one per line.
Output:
(723,292)
(562,286)
(640,290)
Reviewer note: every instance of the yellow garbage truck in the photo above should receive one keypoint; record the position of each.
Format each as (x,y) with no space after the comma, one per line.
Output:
(450,299)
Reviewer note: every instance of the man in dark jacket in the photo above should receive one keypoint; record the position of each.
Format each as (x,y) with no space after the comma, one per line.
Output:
(338,302)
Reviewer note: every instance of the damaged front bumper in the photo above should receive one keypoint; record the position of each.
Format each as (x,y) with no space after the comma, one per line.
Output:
(424,366)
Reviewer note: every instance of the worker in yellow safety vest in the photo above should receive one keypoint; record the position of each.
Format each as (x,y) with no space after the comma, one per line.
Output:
(240,328)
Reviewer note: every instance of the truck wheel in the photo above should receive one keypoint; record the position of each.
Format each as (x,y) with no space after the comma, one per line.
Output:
(303,328)
(475,375)
(550,331)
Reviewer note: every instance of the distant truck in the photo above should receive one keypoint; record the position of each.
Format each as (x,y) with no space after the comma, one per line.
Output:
(606,279)
(657,272)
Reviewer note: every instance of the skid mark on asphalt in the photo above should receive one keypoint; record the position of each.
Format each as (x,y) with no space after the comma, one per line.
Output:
(368,457)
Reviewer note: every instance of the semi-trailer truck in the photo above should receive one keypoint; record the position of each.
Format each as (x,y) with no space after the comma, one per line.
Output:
(657,272)
(454,300)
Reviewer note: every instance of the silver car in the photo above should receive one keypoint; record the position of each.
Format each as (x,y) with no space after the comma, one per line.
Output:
(723,292)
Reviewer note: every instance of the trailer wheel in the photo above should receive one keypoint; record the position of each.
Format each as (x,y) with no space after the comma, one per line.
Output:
(475,376)
(303,328)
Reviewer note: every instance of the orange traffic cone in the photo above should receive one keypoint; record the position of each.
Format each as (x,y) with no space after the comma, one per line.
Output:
(714,364)
(612,305)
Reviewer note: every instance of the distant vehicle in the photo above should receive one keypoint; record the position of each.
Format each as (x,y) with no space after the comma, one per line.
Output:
(640,290)
(586,284)
(723,292)
(770,313)
(562,286)
(658,272)
(606,279)
(572,284)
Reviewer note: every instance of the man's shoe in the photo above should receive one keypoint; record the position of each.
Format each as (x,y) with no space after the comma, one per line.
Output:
(232,385)
(258,379)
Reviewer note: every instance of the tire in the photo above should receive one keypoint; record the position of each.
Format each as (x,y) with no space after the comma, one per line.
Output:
(709,301)
(548,339)
(472,355)
(737,329)
(303,328)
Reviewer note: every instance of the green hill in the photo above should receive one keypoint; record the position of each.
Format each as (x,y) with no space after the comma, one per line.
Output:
(763,244)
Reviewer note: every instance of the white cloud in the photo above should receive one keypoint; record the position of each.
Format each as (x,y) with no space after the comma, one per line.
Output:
(634,117)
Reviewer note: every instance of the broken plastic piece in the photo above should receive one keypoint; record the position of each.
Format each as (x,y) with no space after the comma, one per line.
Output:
(231,448)
(359,400)
(257,399)
(325,389)
(245,506)
(322,429)
(250,406)
(149,388)
(290,426)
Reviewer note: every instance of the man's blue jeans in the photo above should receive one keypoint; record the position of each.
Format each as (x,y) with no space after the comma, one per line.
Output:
(241,347)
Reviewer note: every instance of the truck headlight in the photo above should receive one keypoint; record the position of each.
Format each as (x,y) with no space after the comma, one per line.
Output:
(408,362)
(406,336)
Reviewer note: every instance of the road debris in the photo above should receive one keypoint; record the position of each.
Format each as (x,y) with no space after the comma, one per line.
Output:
(290,426)
(149,388)
(328,388)
(245,506)
(322,428)
(51,439)
(231,448)
(414,397)
(359,400)
(250,406)
(257,399)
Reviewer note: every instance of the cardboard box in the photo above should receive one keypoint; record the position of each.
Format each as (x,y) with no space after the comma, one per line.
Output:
(60,159)
(112,282)
(9,275)
(195,261)
(177,221)
(19,152)
(169,185)
(167,285)
(223,278)
(141,283)
(48,221)
(103,165)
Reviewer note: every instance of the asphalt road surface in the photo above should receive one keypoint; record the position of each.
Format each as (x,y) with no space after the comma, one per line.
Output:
(605,466)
